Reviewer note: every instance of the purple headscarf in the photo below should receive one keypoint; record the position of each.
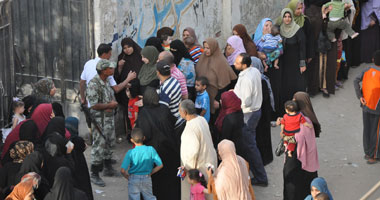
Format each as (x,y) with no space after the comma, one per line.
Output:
(237,43)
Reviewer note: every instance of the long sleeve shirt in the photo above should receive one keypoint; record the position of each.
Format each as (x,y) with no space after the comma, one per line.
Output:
(248,89)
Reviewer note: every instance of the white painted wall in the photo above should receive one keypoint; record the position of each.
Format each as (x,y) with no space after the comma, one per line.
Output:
(140,19)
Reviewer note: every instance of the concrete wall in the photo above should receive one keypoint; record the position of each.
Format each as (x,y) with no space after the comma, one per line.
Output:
(140,19)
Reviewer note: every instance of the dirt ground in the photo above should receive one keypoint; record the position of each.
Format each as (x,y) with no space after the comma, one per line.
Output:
(339,147)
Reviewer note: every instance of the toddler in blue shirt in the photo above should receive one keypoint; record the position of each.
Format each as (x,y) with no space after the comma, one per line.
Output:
(138,166)
(272,47)
(202,102)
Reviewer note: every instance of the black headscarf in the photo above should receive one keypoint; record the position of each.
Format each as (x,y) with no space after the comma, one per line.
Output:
(29,101)
(55,144)
(58,109)
(63,188)
(133,62)
(32,163)
(29,131)
(156,42)
(57,124)
(179,51)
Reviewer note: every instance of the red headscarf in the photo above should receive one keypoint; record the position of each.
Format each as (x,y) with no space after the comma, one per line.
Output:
(41,116)
(230,104)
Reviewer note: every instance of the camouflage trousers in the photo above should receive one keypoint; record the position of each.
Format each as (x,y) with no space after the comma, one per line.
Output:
(102,148)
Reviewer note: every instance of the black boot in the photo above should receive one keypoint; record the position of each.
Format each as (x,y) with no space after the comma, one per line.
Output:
(95,178)
(109,170)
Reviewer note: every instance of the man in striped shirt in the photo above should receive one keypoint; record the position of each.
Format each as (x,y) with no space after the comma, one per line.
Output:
(168,57)
(170,91)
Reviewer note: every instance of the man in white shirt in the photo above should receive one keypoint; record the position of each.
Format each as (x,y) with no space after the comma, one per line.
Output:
(89,71)
(249,90)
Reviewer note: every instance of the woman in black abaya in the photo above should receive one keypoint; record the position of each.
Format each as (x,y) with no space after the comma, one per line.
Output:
(157,123)
(292,62)
(81,175)
(63,188)
(33,163)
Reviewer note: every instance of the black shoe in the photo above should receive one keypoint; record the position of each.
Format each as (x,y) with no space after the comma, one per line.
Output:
(371,161)
(326,95)
(95,179)
(109,170)
(256,183)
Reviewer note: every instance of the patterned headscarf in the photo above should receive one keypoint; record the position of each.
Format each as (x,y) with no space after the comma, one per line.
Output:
(42,89)
(21,149)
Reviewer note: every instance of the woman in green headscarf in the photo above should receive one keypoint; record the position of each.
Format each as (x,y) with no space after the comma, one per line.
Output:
(297,7)
(148,74)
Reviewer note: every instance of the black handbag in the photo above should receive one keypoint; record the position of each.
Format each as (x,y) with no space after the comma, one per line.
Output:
(280,149)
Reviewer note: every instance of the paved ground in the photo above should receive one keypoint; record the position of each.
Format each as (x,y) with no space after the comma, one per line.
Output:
(339,147)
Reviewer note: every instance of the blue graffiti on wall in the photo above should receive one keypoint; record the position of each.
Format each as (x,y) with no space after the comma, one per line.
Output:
(159,17)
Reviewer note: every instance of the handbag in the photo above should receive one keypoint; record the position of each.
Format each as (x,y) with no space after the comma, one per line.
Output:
(280,149)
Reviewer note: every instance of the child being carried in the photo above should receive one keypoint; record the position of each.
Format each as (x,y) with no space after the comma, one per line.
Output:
(272,47)
(290,125)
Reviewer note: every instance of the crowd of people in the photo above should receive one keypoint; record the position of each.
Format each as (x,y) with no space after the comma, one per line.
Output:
(200,116)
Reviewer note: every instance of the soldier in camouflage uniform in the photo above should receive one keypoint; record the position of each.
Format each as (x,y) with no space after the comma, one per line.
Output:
(102,101)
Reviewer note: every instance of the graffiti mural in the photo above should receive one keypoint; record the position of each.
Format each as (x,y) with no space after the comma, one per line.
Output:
(142,21)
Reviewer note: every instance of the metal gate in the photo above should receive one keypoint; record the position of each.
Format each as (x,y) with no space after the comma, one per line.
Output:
(7,90)
(51,39)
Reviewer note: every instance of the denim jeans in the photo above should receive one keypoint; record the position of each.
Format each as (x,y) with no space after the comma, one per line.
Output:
(140,184)
(249,135)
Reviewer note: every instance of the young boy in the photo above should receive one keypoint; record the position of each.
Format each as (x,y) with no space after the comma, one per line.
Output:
(291,124)
(194,51)
(336,19)
(369,95)
(272,47)
(134,102)
(137,167)
(202,102)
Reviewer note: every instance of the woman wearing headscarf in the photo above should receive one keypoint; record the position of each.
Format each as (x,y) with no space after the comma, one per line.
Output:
(29,132)
(317,186)
(292,62)
(273,74)
(8,173)
(56,124)
(42,116)
(300,169)
(157,123)
(249,45)
(156,42)
(148,74)
(231,180)
(58,155)
(189,32)
(63,188)
(214,66)
(183,61)
(306,108)
(82,177)
(230,122)
(129,60)
(44,89)
(297,6)
(29,101)
(22,191)
(263,129)
(234,48)
(33,163)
